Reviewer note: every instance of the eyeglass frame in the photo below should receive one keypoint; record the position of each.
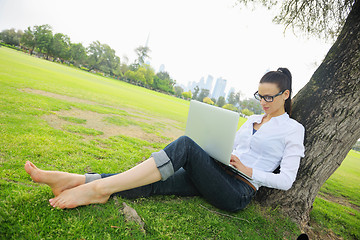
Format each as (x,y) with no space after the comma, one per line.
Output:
(263,97)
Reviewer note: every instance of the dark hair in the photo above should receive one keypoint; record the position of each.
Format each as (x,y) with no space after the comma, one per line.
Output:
(282,77)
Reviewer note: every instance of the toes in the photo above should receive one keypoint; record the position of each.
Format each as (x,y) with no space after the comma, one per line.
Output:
(58,203)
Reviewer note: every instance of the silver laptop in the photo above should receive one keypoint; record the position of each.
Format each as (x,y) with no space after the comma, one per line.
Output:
(213,129)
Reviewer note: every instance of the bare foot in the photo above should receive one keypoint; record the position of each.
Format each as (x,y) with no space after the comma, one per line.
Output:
(81,195)
(58,181)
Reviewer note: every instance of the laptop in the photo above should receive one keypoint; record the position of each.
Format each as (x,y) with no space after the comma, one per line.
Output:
(213,129)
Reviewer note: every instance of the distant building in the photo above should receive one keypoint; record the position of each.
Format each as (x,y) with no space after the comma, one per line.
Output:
(209,82)
(230,91)
(162,68)
(219,88)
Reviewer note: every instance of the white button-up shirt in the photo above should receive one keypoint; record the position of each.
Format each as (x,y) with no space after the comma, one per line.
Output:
(277,142)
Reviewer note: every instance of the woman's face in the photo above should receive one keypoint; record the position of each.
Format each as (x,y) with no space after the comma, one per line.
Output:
(276,107)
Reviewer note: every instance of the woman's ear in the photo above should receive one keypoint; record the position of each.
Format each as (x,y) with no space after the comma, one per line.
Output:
(286,94)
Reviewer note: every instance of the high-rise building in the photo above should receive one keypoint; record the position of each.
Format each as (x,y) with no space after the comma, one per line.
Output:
(208,84)
(162,68)
(230,91)
(219,88)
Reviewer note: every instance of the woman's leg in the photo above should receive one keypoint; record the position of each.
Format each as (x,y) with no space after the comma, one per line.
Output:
(99,191)
(213,183)
(58,181)
(205,176)
(178,184)
(211,180)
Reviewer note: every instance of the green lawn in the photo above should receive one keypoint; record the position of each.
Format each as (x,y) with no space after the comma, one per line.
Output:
(337,206)
(65,119)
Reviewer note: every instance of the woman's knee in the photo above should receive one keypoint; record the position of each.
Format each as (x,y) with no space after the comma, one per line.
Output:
(186,140)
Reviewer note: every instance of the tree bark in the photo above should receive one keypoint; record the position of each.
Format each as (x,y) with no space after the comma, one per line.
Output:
(329,109)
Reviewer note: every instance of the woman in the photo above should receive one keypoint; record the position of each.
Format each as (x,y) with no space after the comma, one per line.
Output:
(262,144)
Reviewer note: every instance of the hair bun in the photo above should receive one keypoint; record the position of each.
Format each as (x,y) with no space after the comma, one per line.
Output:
(285,71)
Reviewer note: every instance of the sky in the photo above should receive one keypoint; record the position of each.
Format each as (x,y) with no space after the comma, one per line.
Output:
(191,38)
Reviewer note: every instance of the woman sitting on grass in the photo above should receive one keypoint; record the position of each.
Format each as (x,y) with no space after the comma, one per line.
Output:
(262,144)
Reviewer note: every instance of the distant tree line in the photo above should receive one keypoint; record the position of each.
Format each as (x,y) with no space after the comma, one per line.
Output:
(97,57)
(233,102)
(356,147)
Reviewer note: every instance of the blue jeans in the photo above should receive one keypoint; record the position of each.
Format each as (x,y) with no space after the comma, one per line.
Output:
(195,173)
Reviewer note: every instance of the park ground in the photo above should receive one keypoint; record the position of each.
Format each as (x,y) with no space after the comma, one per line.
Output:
(62,118)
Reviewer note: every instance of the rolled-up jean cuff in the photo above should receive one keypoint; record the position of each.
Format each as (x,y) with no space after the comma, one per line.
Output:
(164,164)
(89,177)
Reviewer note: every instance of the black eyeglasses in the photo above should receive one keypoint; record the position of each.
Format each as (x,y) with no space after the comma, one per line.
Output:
(266,98)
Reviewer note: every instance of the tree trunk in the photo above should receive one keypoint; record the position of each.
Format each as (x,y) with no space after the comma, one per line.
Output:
(329,108)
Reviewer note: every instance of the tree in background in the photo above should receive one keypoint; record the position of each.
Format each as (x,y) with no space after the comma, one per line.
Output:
(43,37)
(60,47)
(142,54)
(187,95)
(102,57)
(163,82)
(203,94)
(97,57)
(231,107)
(196,92)
(251,104)
(110,62)
(178,91)
(149,75)
(221,101)
(234,98)
(328,105)
(77,53)
(208,101)
(231,98)
(11,36)
(28,40)
(247,112)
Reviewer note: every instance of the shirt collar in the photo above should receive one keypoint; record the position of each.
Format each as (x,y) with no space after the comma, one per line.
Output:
(278,119)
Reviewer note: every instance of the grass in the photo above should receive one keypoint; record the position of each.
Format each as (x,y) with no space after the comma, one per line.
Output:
(73,119)
(342,187)
(26,135)
(82,130)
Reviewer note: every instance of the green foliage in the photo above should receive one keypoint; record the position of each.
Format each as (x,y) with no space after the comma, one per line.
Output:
(77,54)
(60,46)
(203,94)
(164,82)
(356,147)
(247,112)
(28,39)
(221,101)
(178,91)
(11,37)
(230,107)
(98,58)
(322,18)
(102,57)
(187,95)
(251,104)
(43,36)
(208,101)
(196,91)
(142,53)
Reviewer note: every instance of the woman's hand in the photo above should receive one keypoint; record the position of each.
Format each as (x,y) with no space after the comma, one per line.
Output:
(235,161)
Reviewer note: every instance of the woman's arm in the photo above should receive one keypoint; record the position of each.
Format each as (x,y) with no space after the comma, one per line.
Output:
(235,161)
(289,165)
